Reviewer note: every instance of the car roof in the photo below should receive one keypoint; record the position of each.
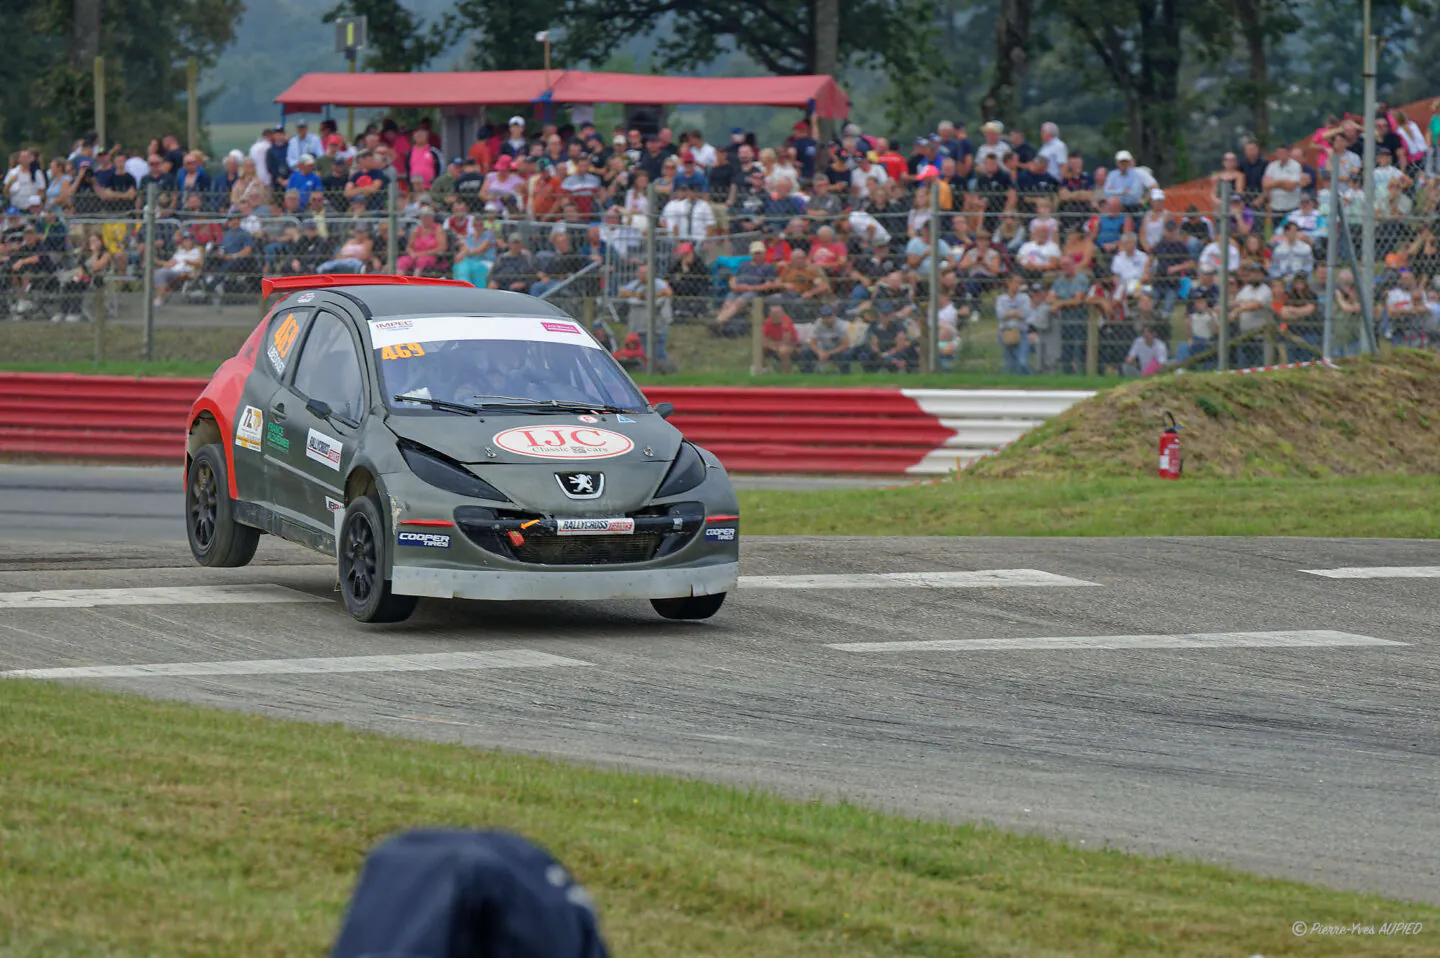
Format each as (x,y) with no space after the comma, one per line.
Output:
(390,300)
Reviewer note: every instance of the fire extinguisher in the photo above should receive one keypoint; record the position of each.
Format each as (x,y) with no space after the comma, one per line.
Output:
(1170,461)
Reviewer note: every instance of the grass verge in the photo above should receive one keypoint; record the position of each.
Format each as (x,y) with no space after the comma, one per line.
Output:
(139,827)
(1374,506)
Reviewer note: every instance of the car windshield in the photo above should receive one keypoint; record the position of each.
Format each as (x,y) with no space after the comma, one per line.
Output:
(496,362)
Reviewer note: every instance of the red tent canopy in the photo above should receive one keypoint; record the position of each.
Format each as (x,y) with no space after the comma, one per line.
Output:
(313,91)
(830,102)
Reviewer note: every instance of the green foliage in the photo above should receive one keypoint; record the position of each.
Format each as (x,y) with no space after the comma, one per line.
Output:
(398,39)
(896,36)
(44,102)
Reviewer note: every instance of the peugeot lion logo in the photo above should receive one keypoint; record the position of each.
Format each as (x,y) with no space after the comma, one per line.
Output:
(581,485)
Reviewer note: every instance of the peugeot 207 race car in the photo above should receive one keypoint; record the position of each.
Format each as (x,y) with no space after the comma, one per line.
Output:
(445,441)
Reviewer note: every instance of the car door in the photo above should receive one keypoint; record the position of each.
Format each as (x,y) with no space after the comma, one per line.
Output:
(319,407)
(258,437)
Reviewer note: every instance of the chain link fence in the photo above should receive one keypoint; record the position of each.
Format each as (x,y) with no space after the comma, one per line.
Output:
(760,277)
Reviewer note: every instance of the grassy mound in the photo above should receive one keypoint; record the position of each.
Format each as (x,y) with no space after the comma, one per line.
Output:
(1368,417)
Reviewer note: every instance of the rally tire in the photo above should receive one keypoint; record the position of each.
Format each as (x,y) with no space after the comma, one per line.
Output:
(690,606)
(216,539)
(364,552)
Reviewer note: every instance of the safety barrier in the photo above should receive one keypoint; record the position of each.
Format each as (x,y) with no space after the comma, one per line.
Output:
(769,430)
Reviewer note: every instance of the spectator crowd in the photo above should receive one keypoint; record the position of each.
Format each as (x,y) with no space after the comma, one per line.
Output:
(825,245)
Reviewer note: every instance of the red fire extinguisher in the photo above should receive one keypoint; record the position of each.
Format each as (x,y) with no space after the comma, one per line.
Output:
(1170,462)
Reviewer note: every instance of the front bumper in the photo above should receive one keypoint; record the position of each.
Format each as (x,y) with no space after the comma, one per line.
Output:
(587,585)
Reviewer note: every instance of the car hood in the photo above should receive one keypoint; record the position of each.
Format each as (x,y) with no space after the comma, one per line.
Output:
(522,455)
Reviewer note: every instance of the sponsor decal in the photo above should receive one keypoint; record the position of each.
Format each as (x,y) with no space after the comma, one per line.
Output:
(282,342)
(334,505)
(562,328)
(594,527)
(304,297)
(248,430)
(563,442)
(720,535)
(581,485)
(324,449)
(587,419)
(426,540)
(623,418)
(393,324)
(275,437)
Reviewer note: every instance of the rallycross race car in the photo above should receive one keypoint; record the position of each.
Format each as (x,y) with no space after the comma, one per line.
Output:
(445,441)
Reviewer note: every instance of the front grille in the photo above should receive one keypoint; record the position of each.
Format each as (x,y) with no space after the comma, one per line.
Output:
(588,550)
(660,531)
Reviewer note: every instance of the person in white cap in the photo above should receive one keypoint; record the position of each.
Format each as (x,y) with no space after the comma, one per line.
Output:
(516,145)
(1152,224)
(1126,183)
(301,143)
(993,145)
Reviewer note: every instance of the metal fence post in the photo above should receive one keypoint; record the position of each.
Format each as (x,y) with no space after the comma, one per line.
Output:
(147,230)
(932,308)
(1332,242)
(392,217)
(651,218)
(757,336)
(1367,208)
(1223,278)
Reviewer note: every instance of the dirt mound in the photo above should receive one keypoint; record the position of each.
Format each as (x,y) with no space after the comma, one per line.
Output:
(1368,417)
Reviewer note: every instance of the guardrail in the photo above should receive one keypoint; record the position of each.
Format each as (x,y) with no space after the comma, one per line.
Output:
(856,431)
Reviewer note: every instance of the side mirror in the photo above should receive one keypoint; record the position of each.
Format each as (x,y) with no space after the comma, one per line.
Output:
(665,409)
(318,407)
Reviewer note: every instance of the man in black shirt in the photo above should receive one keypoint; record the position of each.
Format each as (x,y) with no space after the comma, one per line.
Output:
(1035,180)
(1253,164)
(1020,148)
(469,183)
(164,181)
(994,186)
(120,195)
(1171,262)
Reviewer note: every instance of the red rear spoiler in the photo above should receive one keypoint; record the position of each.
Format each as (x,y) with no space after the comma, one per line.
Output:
(290,284)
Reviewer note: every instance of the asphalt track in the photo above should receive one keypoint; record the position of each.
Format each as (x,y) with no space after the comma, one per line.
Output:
(1317,762)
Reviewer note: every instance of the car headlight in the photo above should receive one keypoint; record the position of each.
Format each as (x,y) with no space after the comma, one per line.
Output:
(687,472)
(435,469)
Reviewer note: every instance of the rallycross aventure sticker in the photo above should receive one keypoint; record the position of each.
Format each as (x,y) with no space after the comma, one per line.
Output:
(563,442)
(428,540)
(323,449)
(594,527)
(247,433)
(282,342)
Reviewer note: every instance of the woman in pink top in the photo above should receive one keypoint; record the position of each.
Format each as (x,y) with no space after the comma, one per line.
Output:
(427,244)
(424,159)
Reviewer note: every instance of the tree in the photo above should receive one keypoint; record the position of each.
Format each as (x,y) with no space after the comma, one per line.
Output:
(785,37)
(397,40)
(1012,42)
(48,48)
(504,31)
(1137,46)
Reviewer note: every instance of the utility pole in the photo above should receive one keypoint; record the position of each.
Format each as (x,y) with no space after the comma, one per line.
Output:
(192,104)
(1367,208)
(100,142)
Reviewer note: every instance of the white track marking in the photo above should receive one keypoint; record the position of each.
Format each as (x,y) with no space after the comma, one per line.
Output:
(165,595)
(1320,638)
(1379,572)
(426,662)
(980,579)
